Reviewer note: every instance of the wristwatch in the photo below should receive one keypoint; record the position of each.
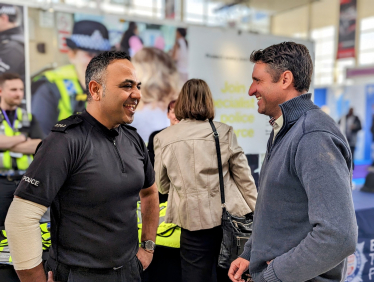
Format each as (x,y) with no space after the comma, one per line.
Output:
(148,245)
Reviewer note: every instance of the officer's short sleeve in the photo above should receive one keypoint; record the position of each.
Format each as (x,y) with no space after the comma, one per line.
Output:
(148,168)
(49,170)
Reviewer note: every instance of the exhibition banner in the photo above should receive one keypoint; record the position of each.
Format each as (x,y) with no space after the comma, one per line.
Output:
(360,266)
(221,58)
(347,29)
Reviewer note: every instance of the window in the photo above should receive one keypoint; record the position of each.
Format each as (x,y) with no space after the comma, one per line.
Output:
(324,55)
(366,49)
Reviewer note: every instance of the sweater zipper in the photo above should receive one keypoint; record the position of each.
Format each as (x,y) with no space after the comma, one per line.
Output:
(119,156)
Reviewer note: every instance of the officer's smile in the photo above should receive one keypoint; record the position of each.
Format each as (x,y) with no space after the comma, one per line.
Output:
(131,106)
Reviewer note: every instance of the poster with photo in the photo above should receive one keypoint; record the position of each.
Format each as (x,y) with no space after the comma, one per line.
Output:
(12,40)
(160,56)
(60,75)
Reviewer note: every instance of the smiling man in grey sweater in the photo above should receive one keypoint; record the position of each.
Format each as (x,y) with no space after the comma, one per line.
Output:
(304,226)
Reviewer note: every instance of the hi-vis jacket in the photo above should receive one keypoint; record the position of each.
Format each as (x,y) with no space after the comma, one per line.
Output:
(66,80)
(5,257)
(22,119)
(168,234)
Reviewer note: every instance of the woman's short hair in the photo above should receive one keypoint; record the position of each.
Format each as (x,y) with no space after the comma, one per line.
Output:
(195,101)
(158,74)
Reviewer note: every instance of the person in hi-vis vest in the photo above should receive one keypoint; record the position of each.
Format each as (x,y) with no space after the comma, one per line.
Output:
(20,134)
(59,93)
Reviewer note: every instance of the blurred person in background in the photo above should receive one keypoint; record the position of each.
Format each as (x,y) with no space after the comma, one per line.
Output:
(12,50)
(186,168)
(173,121)
(61,92)
(160,85)
(165,265)
(131,42)
(180,53)
(350,125)
(20,134)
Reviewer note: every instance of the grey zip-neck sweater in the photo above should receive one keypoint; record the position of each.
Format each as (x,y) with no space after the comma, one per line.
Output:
(304,221)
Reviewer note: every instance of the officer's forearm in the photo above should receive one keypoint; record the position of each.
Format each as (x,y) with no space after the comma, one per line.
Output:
(150,212)
(27,147)
(7,142)
(35,274)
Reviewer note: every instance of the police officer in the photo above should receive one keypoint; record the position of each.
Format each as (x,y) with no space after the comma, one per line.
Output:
(12,50)
(59,93)
(91,169)
(19,136)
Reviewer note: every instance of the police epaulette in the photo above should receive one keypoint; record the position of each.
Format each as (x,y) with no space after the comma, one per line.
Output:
(64,124)
(129,127)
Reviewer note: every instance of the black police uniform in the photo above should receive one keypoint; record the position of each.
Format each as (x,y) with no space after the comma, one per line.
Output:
(12,51)
(91,177)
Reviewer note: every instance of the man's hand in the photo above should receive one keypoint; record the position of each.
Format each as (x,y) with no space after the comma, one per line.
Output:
(50,277)
(145,258)
(237,269)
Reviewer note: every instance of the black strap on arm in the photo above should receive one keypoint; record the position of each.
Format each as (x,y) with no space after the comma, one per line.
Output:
(218,149)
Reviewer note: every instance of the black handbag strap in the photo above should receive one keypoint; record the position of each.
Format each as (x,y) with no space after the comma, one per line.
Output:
(218,149)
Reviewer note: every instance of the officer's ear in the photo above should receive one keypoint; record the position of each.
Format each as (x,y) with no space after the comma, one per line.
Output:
(95,90)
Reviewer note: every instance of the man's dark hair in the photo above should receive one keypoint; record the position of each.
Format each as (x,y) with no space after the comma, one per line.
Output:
(182,31)
(8,76)
(287,56)
(98,65)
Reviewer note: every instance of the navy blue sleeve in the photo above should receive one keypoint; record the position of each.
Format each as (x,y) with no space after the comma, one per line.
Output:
(44,106)
(35,129)
(148,167)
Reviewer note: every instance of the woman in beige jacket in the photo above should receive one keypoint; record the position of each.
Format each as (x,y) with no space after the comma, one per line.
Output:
(186,168)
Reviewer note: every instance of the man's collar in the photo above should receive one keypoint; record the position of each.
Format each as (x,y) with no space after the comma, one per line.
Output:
(111,133)
(293,109)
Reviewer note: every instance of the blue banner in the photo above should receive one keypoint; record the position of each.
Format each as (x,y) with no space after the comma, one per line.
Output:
(361,263)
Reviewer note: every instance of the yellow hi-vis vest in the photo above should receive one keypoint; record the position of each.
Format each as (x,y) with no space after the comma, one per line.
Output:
(22,119)
(168,234)
(66,80)
(5,257)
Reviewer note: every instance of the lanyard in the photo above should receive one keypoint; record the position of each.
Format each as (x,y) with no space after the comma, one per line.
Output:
(7,118)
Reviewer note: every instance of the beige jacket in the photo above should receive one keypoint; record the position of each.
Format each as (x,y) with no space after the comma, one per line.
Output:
(186,168)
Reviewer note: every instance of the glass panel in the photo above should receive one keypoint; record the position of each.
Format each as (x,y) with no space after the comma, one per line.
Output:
(367,41)
(366,58)
(82,3)
(194,11)
(367,24)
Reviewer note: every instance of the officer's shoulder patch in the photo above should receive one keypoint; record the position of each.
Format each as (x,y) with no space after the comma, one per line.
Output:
(64,124)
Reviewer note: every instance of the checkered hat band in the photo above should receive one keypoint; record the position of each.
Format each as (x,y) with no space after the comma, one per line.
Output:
(8,10)
(91,42)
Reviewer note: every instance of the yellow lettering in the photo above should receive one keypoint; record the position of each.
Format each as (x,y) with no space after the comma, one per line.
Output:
(244,133)
(233,88)
(241,103)
(237,117)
